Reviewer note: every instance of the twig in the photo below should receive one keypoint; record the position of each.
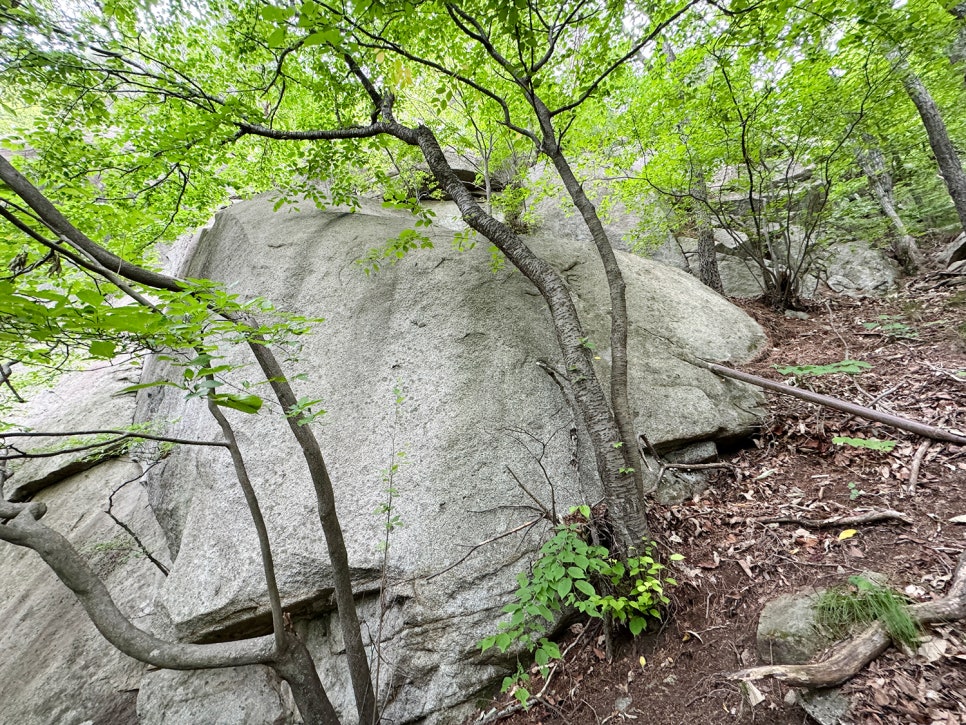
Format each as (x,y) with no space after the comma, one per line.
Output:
(495,715)
(484,543)
(137,539)
(948,374)
(831,323)
(870,517)
(916,464)
(537,501)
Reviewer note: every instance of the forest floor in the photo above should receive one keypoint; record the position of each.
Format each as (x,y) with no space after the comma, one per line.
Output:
(915,341)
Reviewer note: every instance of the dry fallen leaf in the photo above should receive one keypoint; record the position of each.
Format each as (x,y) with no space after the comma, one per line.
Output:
(752,693)
(847,534)
(933,649)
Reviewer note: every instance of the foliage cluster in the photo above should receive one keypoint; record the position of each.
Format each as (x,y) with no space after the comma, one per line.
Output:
(574,575)
(850,367)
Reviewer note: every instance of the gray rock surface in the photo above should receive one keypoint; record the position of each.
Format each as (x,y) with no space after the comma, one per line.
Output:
(953,252)
(89,400)
(851,268)
(212,697)
(463,342)
(857,269)
(56,666)
(787,631)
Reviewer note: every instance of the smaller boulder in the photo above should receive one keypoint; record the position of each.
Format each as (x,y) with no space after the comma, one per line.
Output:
(787,630)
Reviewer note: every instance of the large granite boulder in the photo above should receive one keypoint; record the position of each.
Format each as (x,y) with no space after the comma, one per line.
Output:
(463,343)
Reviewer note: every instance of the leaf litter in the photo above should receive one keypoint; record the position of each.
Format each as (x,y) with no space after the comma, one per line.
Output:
(752,535)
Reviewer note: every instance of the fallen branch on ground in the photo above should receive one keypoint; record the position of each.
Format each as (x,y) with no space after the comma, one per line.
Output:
(850,656)
(870,517)
(917,464)
(893,421)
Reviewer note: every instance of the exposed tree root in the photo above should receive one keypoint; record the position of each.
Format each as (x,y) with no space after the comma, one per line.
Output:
(849,657)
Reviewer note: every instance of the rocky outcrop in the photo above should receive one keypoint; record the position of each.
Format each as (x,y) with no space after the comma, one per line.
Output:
(56,667)
(468,346)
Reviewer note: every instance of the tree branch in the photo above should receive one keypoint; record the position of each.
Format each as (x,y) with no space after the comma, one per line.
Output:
(24,529)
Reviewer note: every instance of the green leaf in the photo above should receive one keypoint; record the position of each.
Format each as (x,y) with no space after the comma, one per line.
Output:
(586,587)
(850,367)
(277,38)
(331,36)
(871,443)
(245,403)
(103,349)
(636,625)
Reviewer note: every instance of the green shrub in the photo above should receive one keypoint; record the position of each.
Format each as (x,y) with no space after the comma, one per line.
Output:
(573,574)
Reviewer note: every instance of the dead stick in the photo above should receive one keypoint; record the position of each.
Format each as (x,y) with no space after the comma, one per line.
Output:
(473,548)
(917,464)
(894,421)
(870,517)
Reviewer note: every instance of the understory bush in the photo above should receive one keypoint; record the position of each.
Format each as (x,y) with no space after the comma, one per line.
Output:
(575,575)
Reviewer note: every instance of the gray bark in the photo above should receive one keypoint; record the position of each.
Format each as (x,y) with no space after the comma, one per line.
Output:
(708,271)
(880,181)
(352,634)
(950,166)
(25,529)
(622,493)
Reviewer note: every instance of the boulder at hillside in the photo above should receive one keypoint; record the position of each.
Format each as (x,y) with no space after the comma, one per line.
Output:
(463,343)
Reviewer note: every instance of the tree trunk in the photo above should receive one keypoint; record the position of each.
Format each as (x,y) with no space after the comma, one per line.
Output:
(880,181)
(957,51)
(622,494)
(950,167)
(708,271)
(356,656)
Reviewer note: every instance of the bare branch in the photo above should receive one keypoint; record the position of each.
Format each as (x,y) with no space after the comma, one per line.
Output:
(58,553)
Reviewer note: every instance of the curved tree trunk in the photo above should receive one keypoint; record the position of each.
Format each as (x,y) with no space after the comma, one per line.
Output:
(880,181)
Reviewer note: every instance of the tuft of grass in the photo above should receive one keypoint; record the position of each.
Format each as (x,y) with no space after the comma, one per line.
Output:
(840,609)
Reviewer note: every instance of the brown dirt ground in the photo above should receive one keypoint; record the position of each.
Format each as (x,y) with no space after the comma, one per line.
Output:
(916,342)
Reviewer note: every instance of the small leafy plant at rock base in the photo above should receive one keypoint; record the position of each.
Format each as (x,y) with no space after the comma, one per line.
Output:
(573,574)
(892,326)
(850,367)
(854,491)
(873,444)
(864,602)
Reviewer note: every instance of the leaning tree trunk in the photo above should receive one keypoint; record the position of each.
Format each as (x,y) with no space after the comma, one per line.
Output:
(873,165)
(708,270)
(621,490)
(950,167)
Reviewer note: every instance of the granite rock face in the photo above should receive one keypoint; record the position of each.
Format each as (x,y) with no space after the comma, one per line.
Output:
(462,343)
(56,667)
